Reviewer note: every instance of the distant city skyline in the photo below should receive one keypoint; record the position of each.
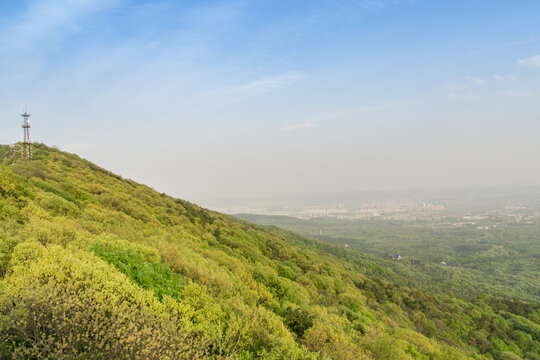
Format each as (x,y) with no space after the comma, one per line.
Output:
(239,99)
(361,204)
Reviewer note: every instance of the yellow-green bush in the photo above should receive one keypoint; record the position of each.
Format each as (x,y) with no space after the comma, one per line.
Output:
(95,266)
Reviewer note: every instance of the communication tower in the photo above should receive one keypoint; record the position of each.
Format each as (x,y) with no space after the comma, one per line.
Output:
(27,144)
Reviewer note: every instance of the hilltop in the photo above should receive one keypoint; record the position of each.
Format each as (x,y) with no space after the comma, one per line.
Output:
(96,266)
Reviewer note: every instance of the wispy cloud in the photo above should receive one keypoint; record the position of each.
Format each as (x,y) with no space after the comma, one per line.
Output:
(524,41)
(469,81)
(475,80)
(514,93)
(505,78)
(48,20)
(455,87)
(463,97)
(381,4)
(268,83)
(367,109)
(32,37)
(256,87)
(533,62)
(305,125)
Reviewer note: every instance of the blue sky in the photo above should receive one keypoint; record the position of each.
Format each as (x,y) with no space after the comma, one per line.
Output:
(209,99)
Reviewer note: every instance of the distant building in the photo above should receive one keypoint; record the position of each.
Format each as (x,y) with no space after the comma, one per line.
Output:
(397,257)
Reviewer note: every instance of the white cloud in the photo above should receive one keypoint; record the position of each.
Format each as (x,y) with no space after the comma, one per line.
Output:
(374,5)
(470,81)
(475,80)
(305,125)
(455,87)
(533,62)
(462,97)
(524,41)
(268,83)
(260,86)
(367,109)
(505,78)
(514,93)
(47,20)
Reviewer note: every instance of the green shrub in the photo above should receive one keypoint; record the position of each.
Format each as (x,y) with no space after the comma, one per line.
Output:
(147,273)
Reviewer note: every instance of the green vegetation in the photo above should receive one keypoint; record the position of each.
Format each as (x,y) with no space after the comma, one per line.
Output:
(94,266)
(469,261)
(143,267)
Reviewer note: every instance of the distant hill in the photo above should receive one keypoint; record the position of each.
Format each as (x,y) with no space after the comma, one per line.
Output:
(94,266)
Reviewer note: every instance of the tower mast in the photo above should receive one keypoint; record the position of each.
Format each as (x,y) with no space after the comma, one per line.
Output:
(27,144)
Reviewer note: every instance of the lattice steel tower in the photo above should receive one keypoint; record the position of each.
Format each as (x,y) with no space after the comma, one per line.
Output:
(27,144)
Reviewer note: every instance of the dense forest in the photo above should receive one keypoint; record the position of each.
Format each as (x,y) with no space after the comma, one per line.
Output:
(469,261)
(94,266)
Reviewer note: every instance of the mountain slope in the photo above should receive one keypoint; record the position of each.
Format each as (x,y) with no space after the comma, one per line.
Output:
(96,266)
(500,261)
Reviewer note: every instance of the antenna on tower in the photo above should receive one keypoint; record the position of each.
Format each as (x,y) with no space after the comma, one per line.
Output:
(27,144)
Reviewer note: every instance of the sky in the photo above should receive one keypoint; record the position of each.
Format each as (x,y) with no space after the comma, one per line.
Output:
(226,99)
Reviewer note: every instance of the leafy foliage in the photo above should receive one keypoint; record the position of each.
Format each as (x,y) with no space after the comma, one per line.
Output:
(500,261)
(96,266)
(144,268)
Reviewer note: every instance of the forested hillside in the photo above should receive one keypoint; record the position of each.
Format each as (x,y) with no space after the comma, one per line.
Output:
(468,261)
(93,266)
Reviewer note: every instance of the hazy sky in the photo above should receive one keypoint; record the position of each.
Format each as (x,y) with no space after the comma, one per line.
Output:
(223,99)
